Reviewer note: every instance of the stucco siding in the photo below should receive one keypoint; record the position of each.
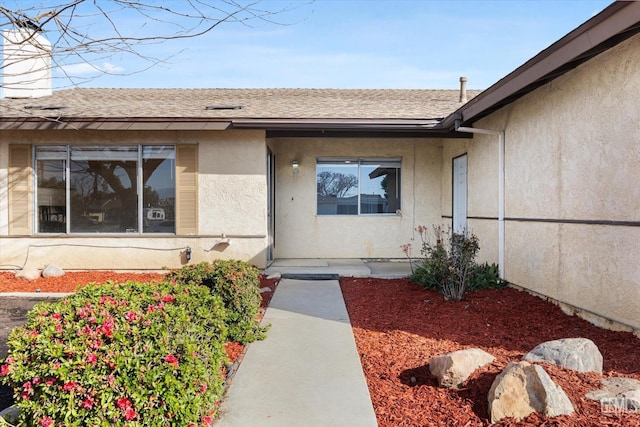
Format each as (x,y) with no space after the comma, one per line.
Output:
(572,203)
(301,233)
(232,202)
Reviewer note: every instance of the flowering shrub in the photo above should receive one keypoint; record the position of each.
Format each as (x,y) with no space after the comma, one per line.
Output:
(449,261)
(119,354)
(238,284)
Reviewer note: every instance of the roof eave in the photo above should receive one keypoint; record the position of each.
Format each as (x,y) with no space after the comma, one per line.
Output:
(275,127)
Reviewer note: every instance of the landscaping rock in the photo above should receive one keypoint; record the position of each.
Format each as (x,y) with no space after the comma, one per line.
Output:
(10,414)
(579,354)
(52,270)
(276,275)
(28,273)
(265,289)
(452,369)
(523,388)
(618,394)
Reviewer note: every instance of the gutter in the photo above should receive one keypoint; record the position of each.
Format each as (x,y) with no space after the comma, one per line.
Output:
(501,180)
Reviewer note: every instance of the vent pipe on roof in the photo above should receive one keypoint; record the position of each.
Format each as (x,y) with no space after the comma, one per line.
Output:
(463,89)
(26,64)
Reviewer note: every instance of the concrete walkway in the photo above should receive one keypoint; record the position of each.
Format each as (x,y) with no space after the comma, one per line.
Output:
(307,372)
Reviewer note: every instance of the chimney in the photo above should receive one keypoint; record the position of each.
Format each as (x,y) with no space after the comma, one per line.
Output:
(463,89)
(27,64)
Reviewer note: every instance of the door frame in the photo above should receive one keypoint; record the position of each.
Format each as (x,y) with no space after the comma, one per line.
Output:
(459,193)
(271,205)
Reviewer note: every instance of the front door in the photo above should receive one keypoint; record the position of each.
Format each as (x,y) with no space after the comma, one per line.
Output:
(460,194)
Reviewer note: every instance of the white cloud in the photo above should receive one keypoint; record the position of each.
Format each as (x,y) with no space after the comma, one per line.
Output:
(90,70)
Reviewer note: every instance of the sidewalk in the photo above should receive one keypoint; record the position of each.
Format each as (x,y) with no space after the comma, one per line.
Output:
(307,372)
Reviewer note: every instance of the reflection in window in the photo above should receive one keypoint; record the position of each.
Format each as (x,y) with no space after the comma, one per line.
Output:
(159,189)
(358,186)
(104,183)
(103,190)
(51,189)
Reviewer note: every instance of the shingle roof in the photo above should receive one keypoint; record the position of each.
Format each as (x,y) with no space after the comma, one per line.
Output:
(382,104)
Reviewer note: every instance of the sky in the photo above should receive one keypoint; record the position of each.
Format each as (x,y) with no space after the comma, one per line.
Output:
(344,44)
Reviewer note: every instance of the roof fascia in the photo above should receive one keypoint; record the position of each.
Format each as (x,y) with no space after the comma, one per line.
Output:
(614,24)
(353,133)
(133,124)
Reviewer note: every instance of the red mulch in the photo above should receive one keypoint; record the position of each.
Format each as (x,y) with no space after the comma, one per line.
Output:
(400,326)
(71,280)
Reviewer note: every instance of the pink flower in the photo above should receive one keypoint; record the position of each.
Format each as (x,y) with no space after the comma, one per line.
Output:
(46,422)
(171,360)
(27,391)
(58,328)
(107,327)
(129,414)
(207,420)
(56,316)
(131,316)
(126,405)
(4,370)
(92,358)
(123,403)
(50,381)
(88,403)
(69,386)
(168,298)
(36,381)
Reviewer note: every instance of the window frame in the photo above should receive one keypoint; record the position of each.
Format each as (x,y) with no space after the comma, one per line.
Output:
(139,157)
(359,162)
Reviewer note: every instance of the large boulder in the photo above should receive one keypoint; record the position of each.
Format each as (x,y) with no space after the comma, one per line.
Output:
(452,369)
(579,354)
(28,273)
(523,388)
(52,270)
(617,394)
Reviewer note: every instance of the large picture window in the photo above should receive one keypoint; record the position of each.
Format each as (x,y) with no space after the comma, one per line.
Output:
(118,189)
(358,186)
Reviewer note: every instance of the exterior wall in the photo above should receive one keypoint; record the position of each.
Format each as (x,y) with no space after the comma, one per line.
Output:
(572,199)
(301,233)
(231,203)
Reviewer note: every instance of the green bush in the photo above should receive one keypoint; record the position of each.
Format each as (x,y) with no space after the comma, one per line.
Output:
(486,276)
(238,284)
(449,261)
(119,354)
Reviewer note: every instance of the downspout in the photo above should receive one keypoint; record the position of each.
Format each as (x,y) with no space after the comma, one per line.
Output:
(500,135)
